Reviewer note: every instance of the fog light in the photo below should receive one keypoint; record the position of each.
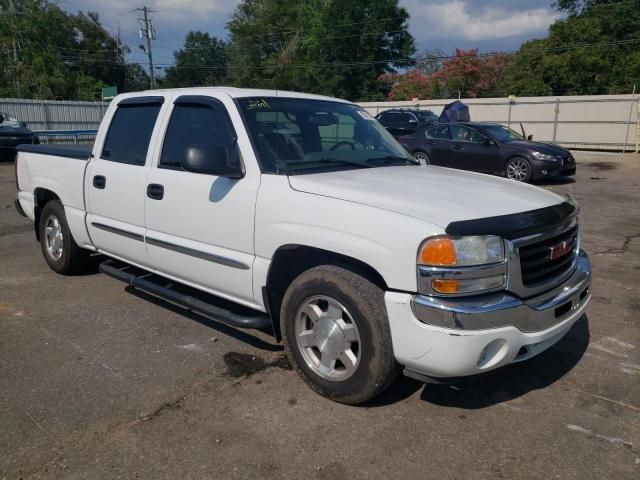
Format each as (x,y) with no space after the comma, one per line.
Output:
(544,172)
(493,353)
(494,282)
(445,286)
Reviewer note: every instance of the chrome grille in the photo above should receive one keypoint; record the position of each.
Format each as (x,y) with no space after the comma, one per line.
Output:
(538,264)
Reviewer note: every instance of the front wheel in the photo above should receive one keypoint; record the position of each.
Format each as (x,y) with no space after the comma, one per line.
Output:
(337,334)
(519,169)
(422,157)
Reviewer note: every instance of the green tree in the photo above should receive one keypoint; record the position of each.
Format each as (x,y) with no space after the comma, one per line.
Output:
(48,53)
(135,78)
(594,50)
(202,61)
(323,46)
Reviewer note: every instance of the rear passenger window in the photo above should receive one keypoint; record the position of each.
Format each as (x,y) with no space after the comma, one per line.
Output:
(196,124)
(129,133)
(440,132)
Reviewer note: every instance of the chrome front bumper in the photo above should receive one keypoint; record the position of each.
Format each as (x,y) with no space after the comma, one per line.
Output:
(505,310)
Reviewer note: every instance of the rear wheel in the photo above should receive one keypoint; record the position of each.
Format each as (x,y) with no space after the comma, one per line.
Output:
(422,157)
(519,169)
(337,334)
(59,249)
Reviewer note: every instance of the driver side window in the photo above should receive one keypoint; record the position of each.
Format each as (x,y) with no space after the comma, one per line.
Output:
(193,124)
(460,133)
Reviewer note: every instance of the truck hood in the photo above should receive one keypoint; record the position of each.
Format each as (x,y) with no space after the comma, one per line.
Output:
(433,194)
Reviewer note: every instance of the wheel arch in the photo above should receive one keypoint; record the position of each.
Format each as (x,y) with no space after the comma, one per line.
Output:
(41,196)
(291,260)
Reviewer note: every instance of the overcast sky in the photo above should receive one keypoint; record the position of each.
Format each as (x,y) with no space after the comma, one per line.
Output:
(445,24)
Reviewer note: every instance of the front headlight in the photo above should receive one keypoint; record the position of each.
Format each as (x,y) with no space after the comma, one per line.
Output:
(462,251)
(544,156)
(461,265)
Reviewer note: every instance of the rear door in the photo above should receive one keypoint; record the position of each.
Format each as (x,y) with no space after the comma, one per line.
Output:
(472,150)
(200,226)
(116,180)
(437,145)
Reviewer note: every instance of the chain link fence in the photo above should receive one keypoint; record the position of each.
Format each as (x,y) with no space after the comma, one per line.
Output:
(599,122)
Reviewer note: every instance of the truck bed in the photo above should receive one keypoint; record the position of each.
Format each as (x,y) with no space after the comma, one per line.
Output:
(78,152)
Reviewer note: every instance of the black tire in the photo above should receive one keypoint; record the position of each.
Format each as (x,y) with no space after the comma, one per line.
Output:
(72,259)
(422,157)
(515,169)
(376,368)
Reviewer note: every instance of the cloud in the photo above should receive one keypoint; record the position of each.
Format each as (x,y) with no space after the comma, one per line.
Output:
(463,21)
(444,24)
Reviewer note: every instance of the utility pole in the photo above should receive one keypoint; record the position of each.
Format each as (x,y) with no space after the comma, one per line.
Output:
(147,31)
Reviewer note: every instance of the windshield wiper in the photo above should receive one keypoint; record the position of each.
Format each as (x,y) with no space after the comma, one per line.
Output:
(395,158)
(329,160)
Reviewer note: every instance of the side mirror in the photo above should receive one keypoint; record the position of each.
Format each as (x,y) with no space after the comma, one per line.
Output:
(212,160)
(487,141)
(530,137)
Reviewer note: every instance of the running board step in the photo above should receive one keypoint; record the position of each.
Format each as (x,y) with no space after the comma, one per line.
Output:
(142,280)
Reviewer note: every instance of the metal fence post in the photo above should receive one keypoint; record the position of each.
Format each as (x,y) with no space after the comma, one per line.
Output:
(509,119)
(555,120)
(626,135)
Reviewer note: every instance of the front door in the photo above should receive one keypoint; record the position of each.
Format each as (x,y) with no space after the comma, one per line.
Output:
(116,180)
(471,150)
(200,226)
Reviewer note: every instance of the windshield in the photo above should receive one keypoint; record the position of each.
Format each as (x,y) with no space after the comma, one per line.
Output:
(502,133)
(297,135)
(427,117)
(8,121)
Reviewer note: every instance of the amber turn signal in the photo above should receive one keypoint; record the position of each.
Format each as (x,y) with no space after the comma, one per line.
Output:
(438,251)
(445,286)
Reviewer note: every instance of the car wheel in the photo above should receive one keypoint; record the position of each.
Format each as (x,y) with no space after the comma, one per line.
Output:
(422,157)
(519,169)
(59,248)
(337,334)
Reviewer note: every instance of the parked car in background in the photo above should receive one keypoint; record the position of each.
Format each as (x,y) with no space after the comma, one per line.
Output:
(487,148)
(12,134)
(401,120)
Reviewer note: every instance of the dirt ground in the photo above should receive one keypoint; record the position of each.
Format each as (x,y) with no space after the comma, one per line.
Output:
(98,381)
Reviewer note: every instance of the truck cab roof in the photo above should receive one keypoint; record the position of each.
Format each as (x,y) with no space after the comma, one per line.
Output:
(232,92)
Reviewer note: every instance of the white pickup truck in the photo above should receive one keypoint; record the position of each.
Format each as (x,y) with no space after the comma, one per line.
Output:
(305,210)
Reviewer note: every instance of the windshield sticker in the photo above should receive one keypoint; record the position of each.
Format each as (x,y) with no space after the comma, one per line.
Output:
(366,115)
(262,103)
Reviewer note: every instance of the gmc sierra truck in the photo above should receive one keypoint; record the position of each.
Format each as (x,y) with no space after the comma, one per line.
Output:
(306,210)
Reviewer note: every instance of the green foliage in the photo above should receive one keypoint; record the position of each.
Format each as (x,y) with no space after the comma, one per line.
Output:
(202,61)
(592,51)
(48,53)
(314,46)
(466,74)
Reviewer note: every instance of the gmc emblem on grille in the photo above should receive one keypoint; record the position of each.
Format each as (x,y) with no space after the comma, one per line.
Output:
(561,249)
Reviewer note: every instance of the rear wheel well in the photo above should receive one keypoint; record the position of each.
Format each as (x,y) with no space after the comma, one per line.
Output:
(289,261)
(41,197)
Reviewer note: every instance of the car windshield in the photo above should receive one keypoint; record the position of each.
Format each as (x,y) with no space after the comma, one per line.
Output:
(427,117)
(8,121)
(502,133)
(297,135)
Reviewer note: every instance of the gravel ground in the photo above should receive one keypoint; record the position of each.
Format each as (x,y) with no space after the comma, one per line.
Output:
(98,381)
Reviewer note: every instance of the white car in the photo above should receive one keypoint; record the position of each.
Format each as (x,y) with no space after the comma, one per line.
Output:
(306,210)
